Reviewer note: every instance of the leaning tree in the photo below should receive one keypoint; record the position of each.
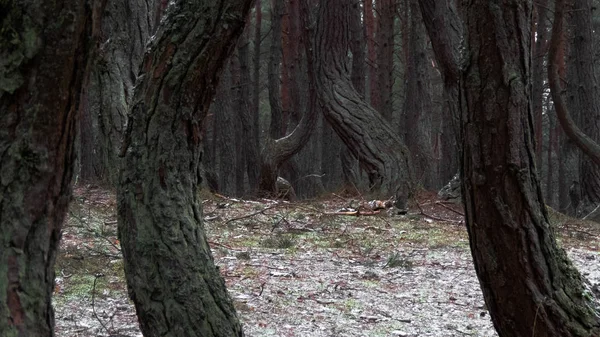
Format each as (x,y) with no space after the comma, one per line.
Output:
(42,59)
(171,275)
(364,131)
(529,285)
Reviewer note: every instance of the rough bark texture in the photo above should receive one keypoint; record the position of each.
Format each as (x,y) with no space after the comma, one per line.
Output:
(120,32)
(43,53)
(529,285)
(172,279)
(363,130)
(348,163)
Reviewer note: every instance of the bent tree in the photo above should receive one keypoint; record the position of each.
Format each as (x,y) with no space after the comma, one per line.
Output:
(529,285)
(172,279)
(42,48)
(364,131)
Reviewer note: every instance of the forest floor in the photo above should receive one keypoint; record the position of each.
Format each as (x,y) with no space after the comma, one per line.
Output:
(305,269)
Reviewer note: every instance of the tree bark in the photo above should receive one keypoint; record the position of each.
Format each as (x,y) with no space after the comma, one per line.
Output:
(171,276)
(245,114)
(120,32)
(371,52)
(277,126)
(43,48)
(584,142)
(363,130)
(540,48)
(277,151)
(446,33)
(256,75)
(528,283)
(583,89)
(417,104)
(386,12)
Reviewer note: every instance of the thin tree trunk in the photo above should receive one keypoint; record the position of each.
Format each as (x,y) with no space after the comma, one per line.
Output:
(417,102)
(245,114)
(371,52)
(256,76)
(43,66)
(538,57)
(171,276)
(386,12)
(279,150)
(277,126)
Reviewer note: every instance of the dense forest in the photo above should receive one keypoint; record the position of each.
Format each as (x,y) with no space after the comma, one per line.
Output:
(492,103)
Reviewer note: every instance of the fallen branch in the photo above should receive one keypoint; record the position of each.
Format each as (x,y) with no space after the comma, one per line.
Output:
(449,208)
(435,217)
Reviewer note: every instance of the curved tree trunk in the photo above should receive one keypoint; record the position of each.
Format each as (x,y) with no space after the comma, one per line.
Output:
(277,151)
(585,143)
(583,90)
(172,279)
(529,285)
(361,128)
(41,75)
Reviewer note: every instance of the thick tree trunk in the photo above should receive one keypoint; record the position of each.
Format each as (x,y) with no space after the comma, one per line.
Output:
(120,32)
(445,31)
(583,89)
(361,128)
(171,276)
(348,163)
(417,104)
(529,285)
(43,52)
(579,98)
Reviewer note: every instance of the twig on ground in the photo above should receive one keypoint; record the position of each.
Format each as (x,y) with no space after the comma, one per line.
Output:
(449,208)
(435,217)
(96,277)
(223,245)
